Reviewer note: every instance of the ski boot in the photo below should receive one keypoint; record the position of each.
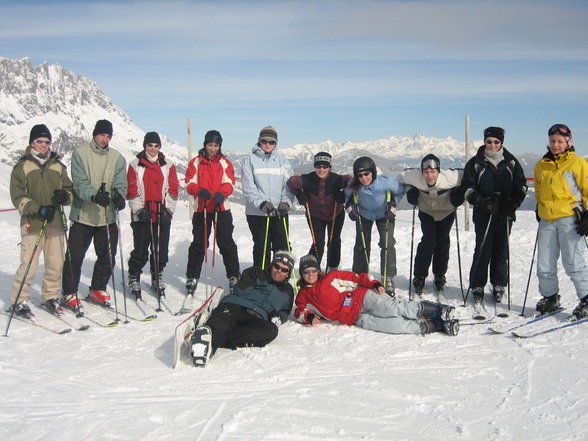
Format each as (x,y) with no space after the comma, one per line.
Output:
(547,305)
(581,311)
(450,327)
(390,288)
(478,294)
(440,282)
(100,297)
(135,285)
(419,284)
(233,282)
(201,346)
(22,309)
(191,284)
(498,292)
(72,302)
(157,282)
(431,310)
(54,307)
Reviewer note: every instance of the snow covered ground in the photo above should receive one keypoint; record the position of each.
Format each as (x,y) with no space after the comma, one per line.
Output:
(321,383)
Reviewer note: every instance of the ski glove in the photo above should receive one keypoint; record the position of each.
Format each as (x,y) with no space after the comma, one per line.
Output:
(412,196)
(144,216)
(582,223)
(507,205)
(165,216)
(101,198)
(267,207)
(46,212)
(218,198)
(391,209)
(204,194)
(275,318)
(118,200)
(302,198)
(60,196)
(352,211)
(283,208)
(456,197)
(339,196)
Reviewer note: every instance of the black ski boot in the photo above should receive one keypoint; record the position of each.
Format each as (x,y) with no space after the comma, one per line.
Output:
(390,288)
(440,282)
(547,305)
(498,292)
(54,307)
(22,309)
(419,284)
(232,282)
(157,282)
(201,346)
(135,285)
(191,284)
(478,294)
(581,311)
(431,310)
(450,327)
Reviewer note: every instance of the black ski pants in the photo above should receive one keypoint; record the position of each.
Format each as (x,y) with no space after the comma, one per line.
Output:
(143,245)
(234,326)
(80,238)
(434,245)
(276,237)
(361,255)
(224,238)
(319,226)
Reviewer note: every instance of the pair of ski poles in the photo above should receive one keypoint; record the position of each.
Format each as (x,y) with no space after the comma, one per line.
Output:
(267,224)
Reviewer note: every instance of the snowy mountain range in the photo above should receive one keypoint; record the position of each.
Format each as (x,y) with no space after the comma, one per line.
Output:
(70,105)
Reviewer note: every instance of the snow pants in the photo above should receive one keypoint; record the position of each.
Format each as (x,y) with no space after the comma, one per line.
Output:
(319,227)
(51,244)
(143,244)
(234,326)
(555,238)
(387,254)
(382,313)
(434,245)
(276,237)
(224,237)
(80,238)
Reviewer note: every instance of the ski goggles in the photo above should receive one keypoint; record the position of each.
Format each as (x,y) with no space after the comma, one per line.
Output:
(430,163)
(559,129)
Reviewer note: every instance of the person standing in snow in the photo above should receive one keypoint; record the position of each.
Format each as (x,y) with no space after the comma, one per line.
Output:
(357,299)
(322,194)
(152,194)
(39,187)
(372,198)
(561,190)
(437,193)
(268,200)
(495,184)
(248,317)
(99,175)
(210,179)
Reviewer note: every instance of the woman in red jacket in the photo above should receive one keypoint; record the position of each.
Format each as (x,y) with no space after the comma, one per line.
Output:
(358,299)
(210,179)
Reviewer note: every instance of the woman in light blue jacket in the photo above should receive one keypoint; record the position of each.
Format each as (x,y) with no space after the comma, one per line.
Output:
(267,197)
(372,198)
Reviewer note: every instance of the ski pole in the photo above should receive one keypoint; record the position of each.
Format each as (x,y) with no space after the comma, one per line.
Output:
(267,222)
(111,260)
(367,258)
(508,260)
(205,245)
(530,271)
(122,266)
(68,255)
(477,262)
(290,249)
(386,240)
(459,257)
(154,256)
(309,220)
(329,243)
(26,273)
(411,253)
(214,239)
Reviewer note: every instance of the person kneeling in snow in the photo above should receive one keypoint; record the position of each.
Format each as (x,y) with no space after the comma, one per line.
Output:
(251,314)
(356,299)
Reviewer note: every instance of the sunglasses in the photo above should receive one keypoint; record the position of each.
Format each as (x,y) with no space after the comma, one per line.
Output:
(265,141)
(363,175)
(40,141)
(150,145)
(309,271)
(559,129)
(281,268)
(495,142)
(322,166)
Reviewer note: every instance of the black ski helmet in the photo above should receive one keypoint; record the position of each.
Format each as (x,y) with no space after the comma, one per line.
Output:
(365,163)
(430,161)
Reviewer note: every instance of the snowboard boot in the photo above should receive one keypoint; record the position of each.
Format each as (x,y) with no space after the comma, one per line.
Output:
(440,282)
(390,288)
(100,297)
(191,284)
(478,294)
(419,284)
(581,311)
(498,292)
(22,309)
(547,305)
(233,282)
(431,310)
(54,307)
(157,283)
(72,301)
(449,327)
(135,285)
(201,346)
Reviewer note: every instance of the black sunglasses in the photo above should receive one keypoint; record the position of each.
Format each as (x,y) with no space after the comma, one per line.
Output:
(264,141)
(362,175)
(496,142)
(281,268)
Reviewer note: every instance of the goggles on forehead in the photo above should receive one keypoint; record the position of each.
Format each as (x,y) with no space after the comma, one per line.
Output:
(430,163)
(559,129)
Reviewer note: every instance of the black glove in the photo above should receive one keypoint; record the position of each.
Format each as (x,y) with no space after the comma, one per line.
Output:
(118,200)
(283,208)
(456,197)
(46,212)
(476,199)
(102,198)
(412,196)
(302,198)
(60,196)
(391,209)
(339,197)
(582,223)
(352,211)
(204,194)
(145,216)
(165,216)
(267,207)
(507,205)
(218,198)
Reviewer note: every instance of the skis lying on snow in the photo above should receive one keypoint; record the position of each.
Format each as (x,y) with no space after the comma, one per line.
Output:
(32,320)
(509,327)
(198,317)
(564,325)
(61,318)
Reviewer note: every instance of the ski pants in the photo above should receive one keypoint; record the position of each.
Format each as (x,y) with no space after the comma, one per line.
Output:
(234,326)
(80,238)
(276,237)
(224,237)
(387,255)
(382,313)
(494,252)
(51,244)
(434,245)
(555,238)
(143,243)
(319,227)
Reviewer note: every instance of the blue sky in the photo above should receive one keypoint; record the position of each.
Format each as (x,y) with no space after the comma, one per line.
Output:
(321,70)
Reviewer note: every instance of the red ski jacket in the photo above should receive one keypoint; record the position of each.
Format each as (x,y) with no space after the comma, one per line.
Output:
(338,296)
(215,174)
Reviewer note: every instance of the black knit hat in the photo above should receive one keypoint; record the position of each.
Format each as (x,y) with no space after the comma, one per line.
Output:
(103,126)
(430,161)
(268,134)
(39,131)
(285,257)
(323,158)
(213,136)
(151,138)
(494,132)
(308,261)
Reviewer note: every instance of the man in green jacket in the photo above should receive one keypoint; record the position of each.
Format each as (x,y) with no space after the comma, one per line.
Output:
(100,183)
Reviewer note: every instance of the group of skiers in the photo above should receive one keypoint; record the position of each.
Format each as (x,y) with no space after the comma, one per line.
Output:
(261,298)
